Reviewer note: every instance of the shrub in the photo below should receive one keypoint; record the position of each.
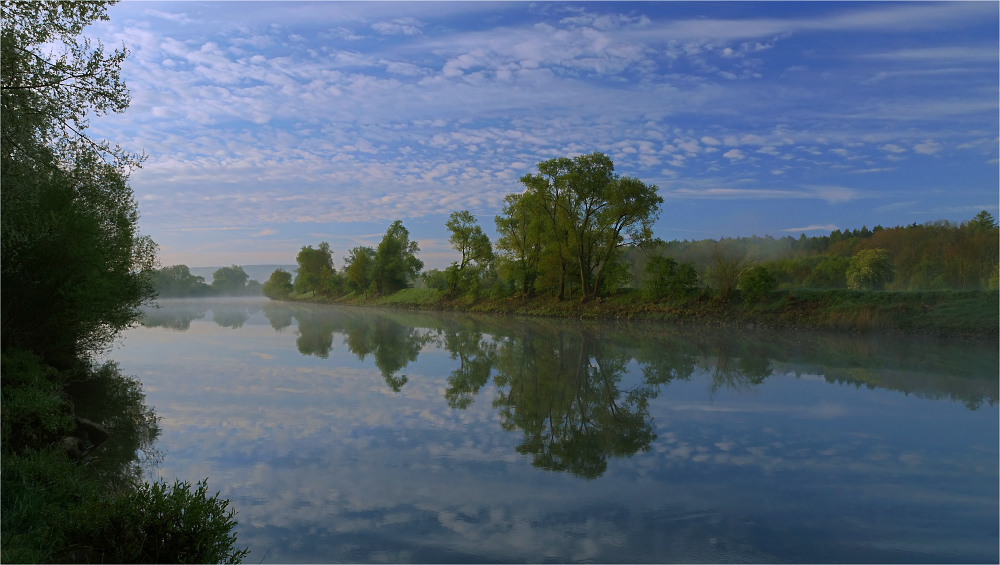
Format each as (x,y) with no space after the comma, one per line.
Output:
(870,269)
(664,277)
(157,523)
(756,284)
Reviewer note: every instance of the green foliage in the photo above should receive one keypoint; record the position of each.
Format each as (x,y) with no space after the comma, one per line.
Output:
(395,261)
(756,284)
(727,270)
(316,269)
(870,269)
(34,412)
(521,229)
(436,279)
(984,221)
(279,285)
(831,272)
(994,280)
(74,267)
(230,280)
(589,213)
(664,277)
(477,254)
(177,282)
(359,269)
(157,523)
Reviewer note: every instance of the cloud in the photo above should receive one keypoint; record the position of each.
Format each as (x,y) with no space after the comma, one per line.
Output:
(707,140)
(950,54)
(734,155)
(813,227)
(928,147)
(265,231)
(399,26)
(891,148)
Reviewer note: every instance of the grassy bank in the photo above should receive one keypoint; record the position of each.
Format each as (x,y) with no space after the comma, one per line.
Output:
(72,492)
(970,313)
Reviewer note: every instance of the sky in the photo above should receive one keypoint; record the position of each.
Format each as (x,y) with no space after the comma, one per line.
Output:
(268,126)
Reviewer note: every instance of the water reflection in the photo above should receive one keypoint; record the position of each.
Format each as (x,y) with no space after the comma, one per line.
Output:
(560,384)
(351,434)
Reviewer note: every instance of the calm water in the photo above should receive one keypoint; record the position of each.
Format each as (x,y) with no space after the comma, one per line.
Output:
(347,434)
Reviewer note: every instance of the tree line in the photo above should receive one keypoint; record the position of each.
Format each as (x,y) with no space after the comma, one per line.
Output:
(579,230)
(176,281)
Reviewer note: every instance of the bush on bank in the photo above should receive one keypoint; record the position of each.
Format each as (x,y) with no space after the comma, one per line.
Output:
(56,509)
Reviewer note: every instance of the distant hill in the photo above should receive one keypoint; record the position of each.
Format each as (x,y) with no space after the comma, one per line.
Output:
(259,273)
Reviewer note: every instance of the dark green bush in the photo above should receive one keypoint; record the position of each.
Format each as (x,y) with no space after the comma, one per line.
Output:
(664,277)
(160,523)
(756,284)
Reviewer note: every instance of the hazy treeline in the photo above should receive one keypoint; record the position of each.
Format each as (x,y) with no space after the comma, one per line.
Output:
(934,255)
(580,230)
(177,281)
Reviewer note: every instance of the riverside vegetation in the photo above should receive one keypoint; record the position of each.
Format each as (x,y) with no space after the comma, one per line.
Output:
(578,242)
(75,270)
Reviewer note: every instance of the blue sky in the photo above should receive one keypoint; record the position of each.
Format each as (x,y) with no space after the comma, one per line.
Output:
(269,126)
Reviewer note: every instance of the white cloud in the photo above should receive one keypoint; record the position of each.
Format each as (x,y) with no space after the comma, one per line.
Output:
(399,26)
(891,148)
(928,147)
(734,155)
(707,140)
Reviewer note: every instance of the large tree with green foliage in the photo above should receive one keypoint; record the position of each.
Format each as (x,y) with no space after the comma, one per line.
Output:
(358,269)
(870,269)
(592,213)
(477,254)
(230,280)
(396,262)
(315,268)
(74,266)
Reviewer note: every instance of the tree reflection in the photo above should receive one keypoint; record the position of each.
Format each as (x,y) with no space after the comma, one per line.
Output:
(230,316)
(739,367)
(392,345)
(173,316)
(563,391)
(278,314)
(475,356)
(117,402)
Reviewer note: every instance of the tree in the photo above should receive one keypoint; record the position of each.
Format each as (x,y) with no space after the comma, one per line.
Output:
(358,269)
(592,214)
(984,221)
(395,262)
(727,270)
(279,286)
(74,267)
(870,269)
(468,239)
(230,280)
(177,281)
(521,228)
(312,263)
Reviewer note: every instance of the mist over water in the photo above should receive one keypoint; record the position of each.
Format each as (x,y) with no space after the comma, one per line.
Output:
(352,434)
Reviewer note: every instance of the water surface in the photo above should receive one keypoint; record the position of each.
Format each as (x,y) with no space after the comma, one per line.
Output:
(351,434)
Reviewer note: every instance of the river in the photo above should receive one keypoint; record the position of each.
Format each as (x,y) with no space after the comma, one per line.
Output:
(345,434)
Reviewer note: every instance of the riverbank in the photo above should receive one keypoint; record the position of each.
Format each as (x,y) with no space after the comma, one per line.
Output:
(73,489)
(970,313)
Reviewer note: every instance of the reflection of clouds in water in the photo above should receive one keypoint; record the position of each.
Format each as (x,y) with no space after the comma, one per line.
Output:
(325,462)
